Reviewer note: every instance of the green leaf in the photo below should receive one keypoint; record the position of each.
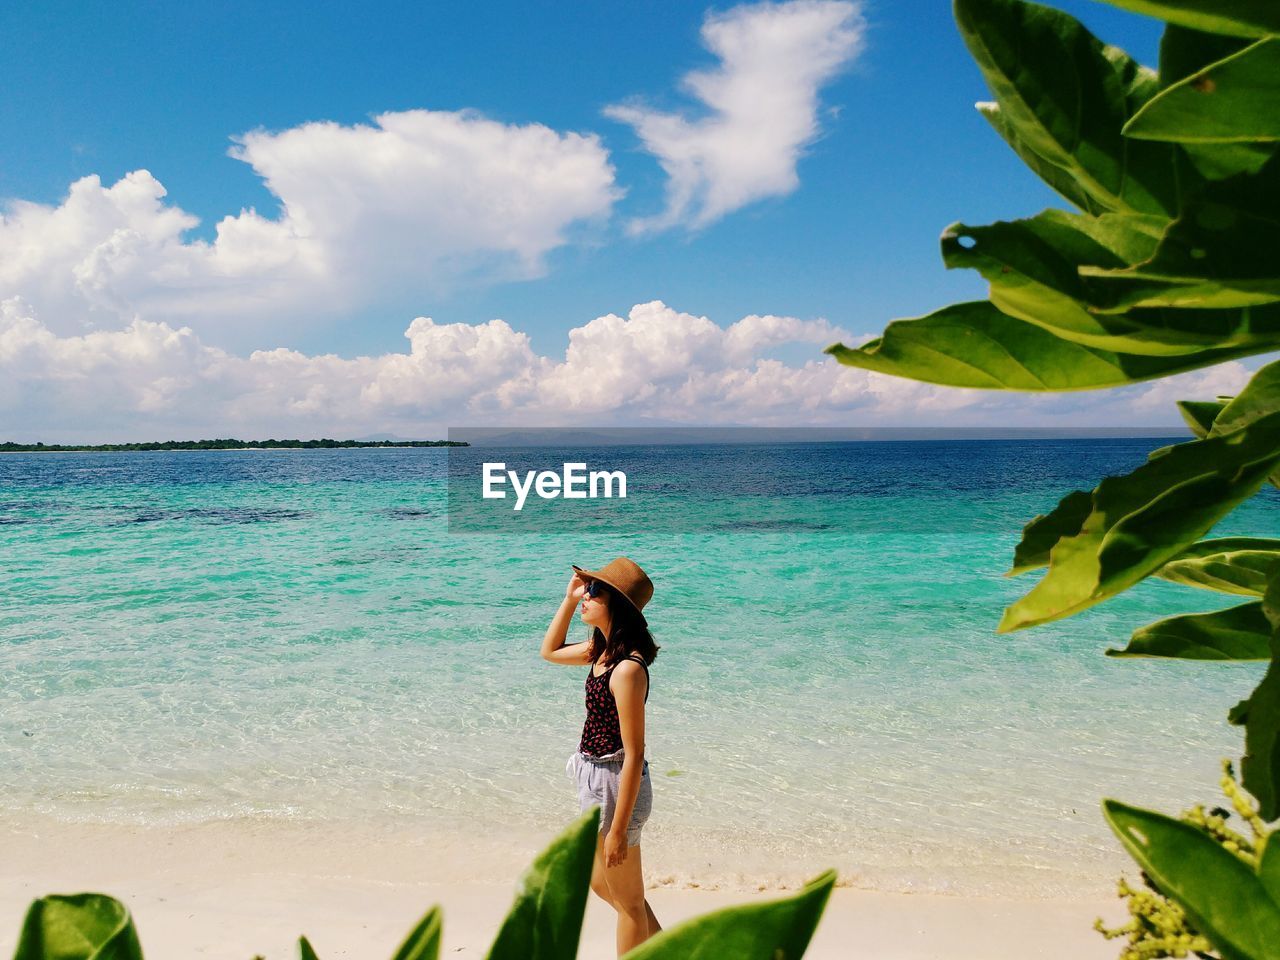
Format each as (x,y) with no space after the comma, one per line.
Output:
(1271,599)
(1216,161)
(1065,96)
(1269,870)
(1236,18)
(545,922)
(1057,178)
(1237,633)
(1140,521)
(1214,255)
(1259,400)
(1235,99)
(1033,265)
(305,950)
(1200,414)
(82,926)
(1040,535)
(1220,248)
(1185,53)
(776,930)
(423,941)
(1229,564)
(1070,274)
(1223,897)
(975,345)
(1260,717)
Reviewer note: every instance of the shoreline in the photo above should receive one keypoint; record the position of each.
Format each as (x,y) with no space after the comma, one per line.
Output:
(235,890)
(489,849)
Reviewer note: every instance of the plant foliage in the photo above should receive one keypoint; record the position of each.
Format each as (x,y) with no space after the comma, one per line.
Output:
(1168,261)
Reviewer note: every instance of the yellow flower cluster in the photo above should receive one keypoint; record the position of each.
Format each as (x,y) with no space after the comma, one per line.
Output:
(1157,928)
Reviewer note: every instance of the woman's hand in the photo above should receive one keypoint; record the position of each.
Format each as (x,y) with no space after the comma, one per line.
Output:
(554,649)
(615,847)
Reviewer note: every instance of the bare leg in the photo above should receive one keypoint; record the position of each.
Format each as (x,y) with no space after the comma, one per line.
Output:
(654,925)
(636,922)
(599,885)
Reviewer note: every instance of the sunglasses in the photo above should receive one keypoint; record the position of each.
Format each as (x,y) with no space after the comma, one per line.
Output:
(595,589)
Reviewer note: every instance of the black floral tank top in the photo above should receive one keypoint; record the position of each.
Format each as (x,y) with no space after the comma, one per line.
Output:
(602,733)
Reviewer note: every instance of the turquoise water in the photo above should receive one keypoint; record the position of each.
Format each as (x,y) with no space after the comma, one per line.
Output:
(296,634)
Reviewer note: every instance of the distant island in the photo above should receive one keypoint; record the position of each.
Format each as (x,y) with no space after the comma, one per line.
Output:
(228,444)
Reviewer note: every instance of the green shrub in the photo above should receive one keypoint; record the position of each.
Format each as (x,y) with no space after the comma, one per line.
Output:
(1170,261)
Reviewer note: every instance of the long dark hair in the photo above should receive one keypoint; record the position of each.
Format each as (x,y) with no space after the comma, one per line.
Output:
(628,633)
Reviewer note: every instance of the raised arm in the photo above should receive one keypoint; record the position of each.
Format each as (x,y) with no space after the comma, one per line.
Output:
(554,649)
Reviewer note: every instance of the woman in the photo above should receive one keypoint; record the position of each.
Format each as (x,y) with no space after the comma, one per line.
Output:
(609,767)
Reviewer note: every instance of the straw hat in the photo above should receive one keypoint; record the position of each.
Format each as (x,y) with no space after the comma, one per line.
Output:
(626,577)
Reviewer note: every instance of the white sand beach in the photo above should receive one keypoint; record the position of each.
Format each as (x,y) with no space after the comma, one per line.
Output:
(236,889)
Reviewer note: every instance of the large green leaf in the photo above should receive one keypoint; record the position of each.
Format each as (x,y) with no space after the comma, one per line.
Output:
(1269,870)
(976,345)
(1184,52)
(1260,717)
(1041,534)
(1259,400)
(1060,180)
(1214,255)
(1200,414)
(545,922)
(1266,402)
(777,930)
(1071,275)
(1197,415)
(1259,714)
(305,950)
(1222,244)
(1237,633)
(1033,266)
(82,926)
(1235,99)
(423,941)
(1223,897)
(1140,521)
(1228,564)
(1236,18)
(1066,95)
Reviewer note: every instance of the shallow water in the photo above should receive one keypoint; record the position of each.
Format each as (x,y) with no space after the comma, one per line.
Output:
(297,634)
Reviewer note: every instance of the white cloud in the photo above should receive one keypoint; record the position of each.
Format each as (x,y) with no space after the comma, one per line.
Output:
(657,364)
(664,359)
(1225,379)
(417,201)
(761,102)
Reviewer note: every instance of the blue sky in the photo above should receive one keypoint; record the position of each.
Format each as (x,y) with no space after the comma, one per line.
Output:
(899,152)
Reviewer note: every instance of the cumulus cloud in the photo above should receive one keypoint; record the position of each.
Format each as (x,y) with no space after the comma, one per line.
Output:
(416,201)
(761,107)
(654,365)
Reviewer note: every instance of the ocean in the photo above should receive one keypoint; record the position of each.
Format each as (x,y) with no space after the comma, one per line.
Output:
(300,635)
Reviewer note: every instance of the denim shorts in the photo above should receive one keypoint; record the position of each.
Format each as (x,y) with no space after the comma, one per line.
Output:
(597,779)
